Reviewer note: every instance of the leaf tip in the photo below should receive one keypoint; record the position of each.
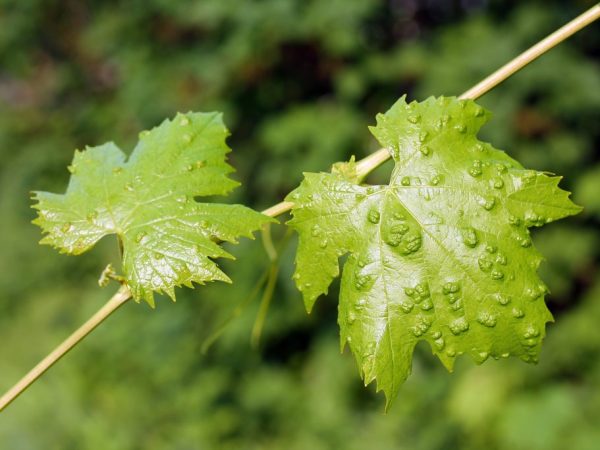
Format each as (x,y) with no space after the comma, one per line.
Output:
(170,291)
(309,302)
(149,298)
(388,403)
(225,279)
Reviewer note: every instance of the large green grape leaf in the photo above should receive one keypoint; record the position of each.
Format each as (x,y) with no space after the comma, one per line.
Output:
(167,237)
(441,254)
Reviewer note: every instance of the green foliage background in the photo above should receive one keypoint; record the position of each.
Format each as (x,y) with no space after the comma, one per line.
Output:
(299,81)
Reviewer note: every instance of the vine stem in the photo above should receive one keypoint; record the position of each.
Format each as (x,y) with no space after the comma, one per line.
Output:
(122,296)
(533,53)
(375,159)
(364,167)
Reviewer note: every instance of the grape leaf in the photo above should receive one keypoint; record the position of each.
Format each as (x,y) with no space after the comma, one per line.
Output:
(441,254)
(167,238)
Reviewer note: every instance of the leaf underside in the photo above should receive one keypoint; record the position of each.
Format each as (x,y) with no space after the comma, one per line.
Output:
(441,254)
(148,201)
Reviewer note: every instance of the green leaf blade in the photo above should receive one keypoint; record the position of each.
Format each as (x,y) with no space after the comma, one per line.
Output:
(441,254)
(328,235)
(539,200)
(196,142)
(85,206)
(168,238)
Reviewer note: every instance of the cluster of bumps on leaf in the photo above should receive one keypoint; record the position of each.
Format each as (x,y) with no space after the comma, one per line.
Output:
(442,253)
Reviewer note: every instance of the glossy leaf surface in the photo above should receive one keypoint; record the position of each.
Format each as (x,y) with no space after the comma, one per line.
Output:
(441,254)
(167,237)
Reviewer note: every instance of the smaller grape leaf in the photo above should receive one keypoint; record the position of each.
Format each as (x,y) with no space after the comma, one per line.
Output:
(167,237)
(442,253)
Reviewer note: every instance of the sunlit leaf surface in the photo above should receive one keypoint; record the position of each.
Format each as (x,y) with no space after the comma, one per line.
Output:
(148,201)
(442,253)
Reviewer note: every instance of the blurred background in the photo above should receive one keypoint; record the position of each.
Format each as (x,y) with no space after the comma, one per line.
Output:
(299,81)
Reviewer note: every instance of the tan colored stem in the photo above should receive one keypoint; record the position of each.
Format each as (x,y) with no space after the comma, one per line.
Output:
(278,209)
(374,160)
(364,167)
(533,53)
(109,307)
